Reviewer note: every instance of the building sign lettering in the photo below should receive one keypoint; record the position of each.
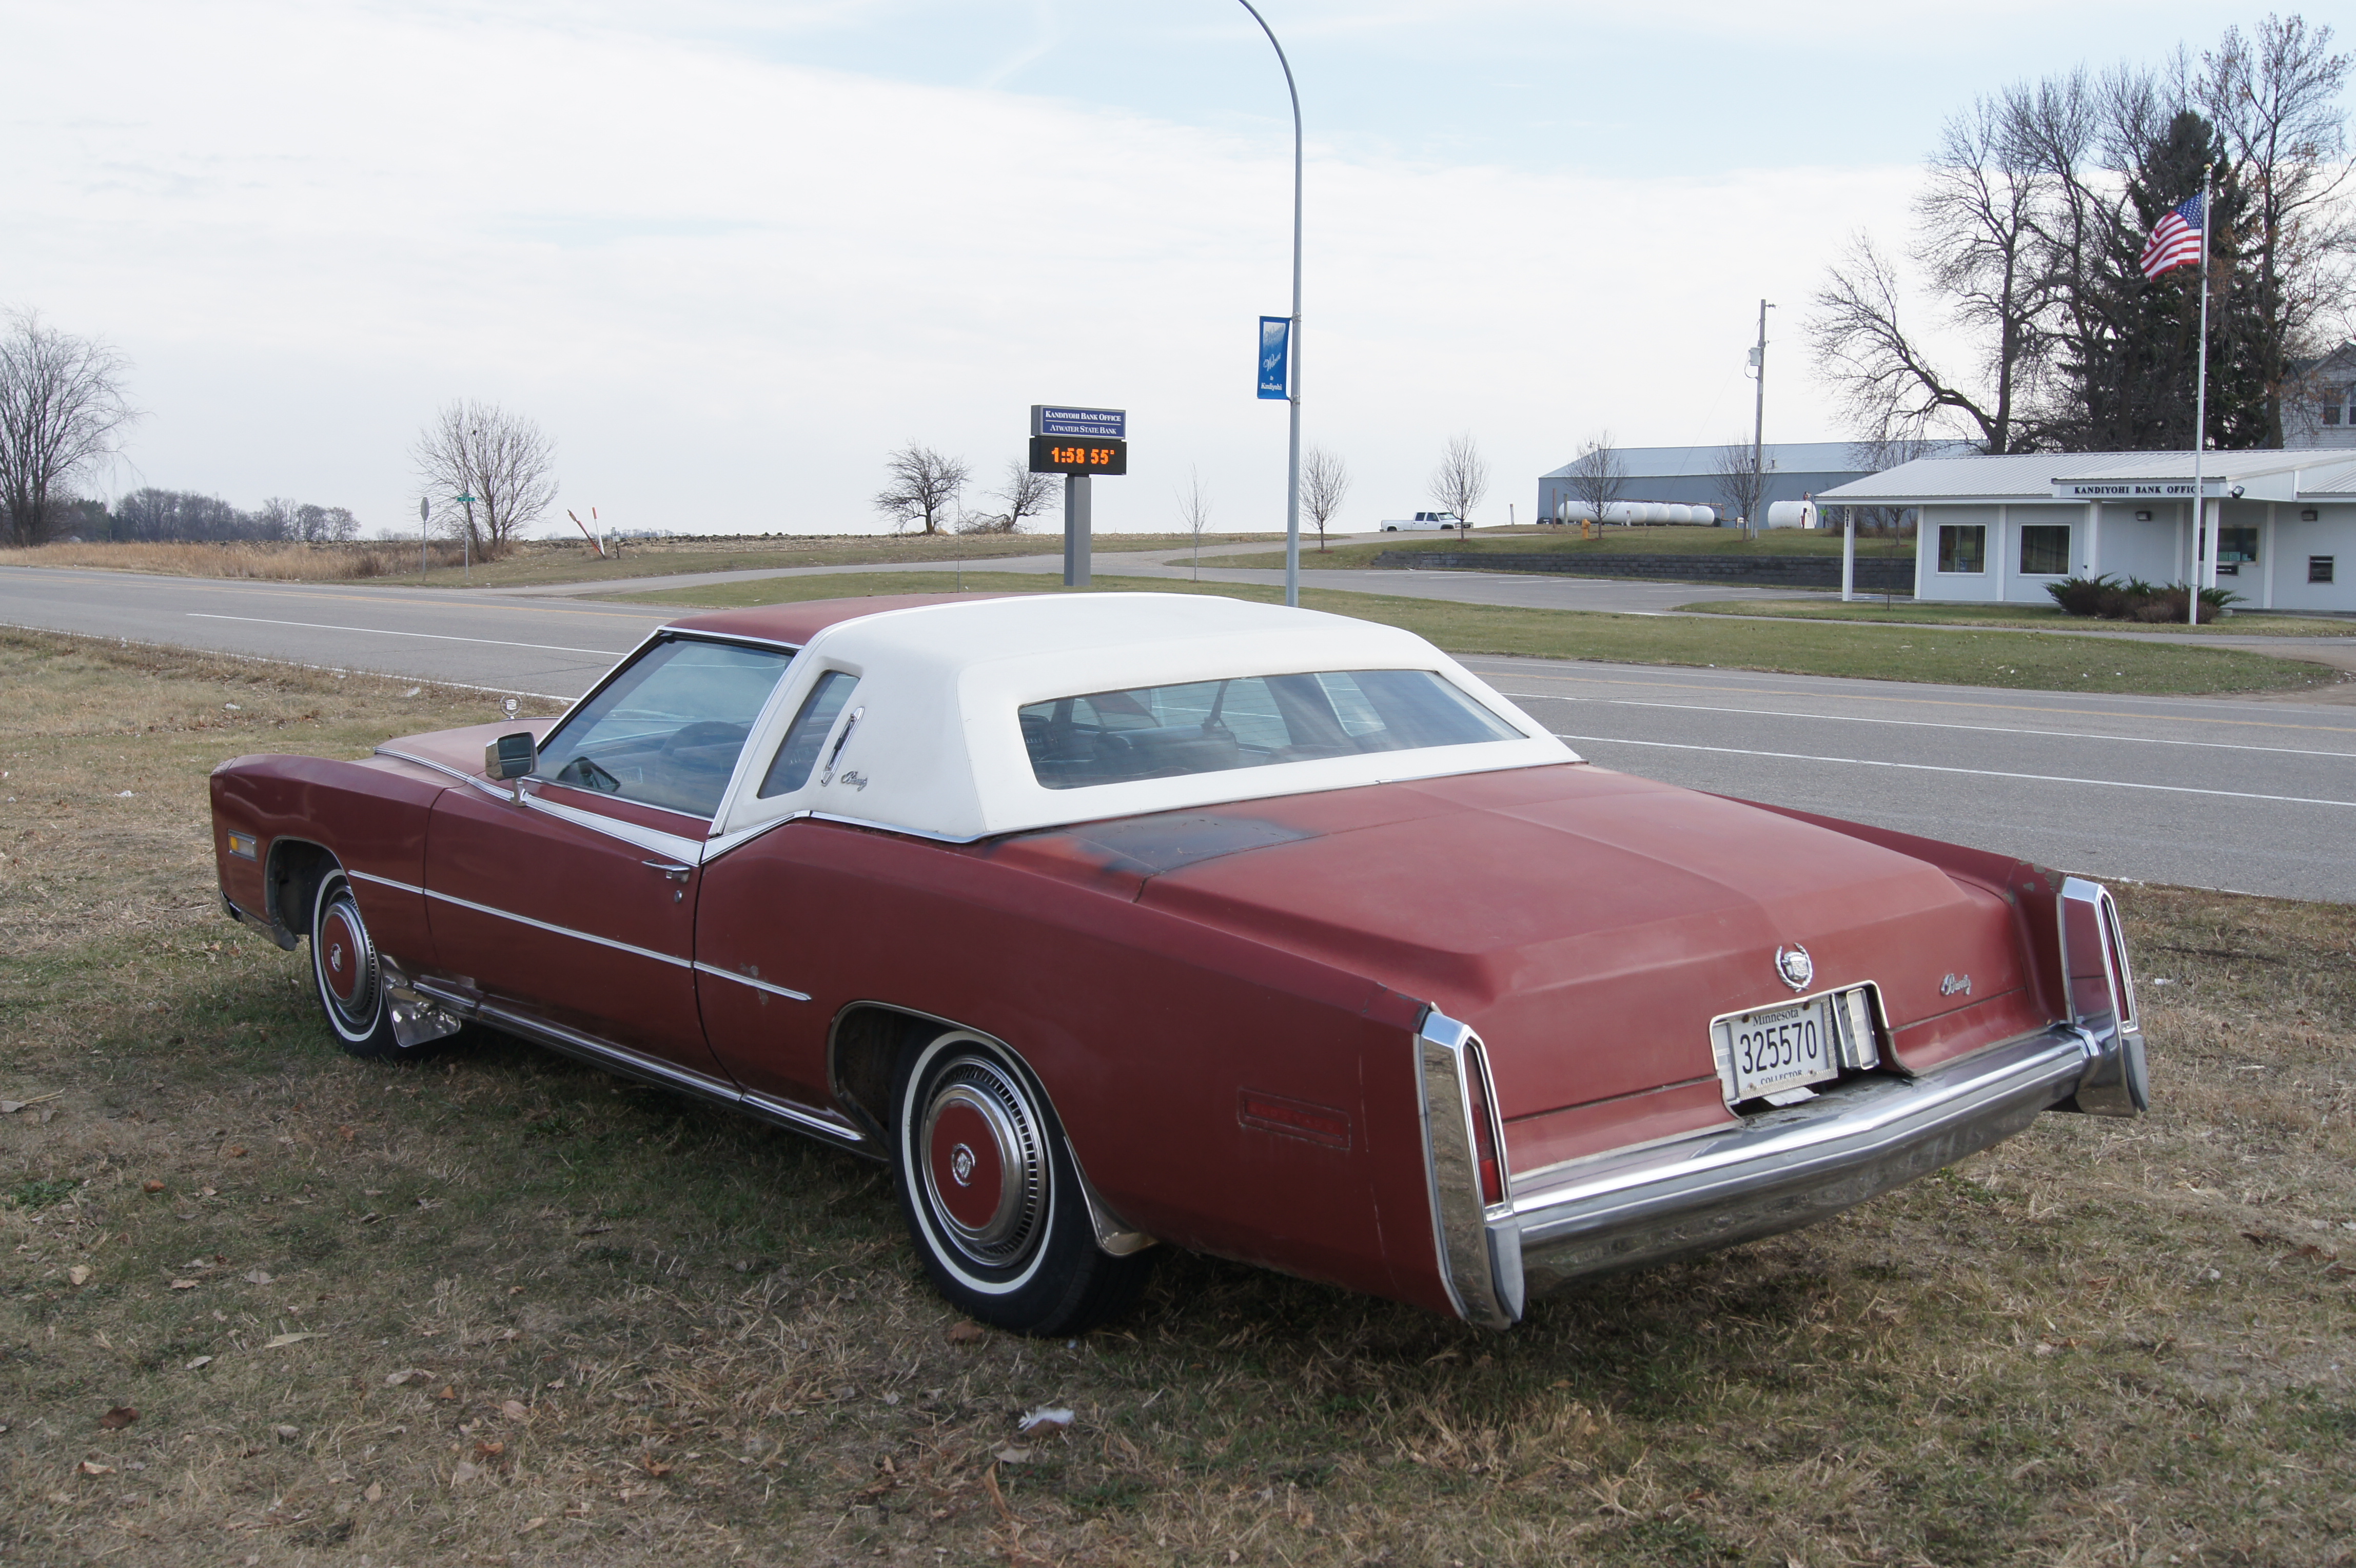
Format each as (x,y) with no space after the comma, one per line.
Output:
(2128,490)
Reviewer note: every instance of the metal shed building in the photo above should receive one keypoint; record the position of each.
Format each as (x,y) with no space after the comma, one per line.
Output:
(1998,530)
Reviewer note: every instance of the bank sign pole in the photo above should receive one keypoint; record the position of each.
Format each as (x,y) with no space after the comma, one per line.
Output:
(1080,443)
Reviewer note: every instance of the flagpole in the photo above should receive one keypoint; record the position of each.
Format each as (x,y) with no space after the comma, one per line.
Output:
(2204,555)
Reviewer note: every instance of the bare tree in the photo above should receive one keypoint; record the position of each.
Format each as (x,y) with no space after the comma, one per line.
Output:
(1740,483)
(1461,478)
(1983,231)
(1194,511)
(1598,476)
(1025,494)
(923,485)
(1325,480)
(62,416)
(2275,98)
(488,474)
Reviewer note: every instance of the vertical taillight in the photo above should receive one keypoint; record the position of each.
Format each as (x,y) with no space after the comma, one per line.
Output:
(2114,947)
(1488,1156)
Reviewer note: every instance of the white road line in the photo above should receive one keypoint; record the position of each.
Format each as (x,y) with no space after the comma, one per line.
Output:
(429,636)
(1972,772)
(1925,723)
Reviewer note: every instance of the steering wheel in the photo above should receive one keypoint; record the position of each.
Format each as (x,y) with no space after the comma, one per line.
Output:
(704,733)
(588,776)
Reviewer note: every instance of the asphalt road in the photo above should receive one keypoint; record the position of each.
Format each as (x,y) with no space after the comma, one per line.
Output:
(2255,796)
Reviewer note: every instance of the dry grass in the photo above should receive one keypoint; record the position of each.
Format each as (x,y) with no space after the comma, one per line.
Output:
(556,1319)
(276,561)
(539,561)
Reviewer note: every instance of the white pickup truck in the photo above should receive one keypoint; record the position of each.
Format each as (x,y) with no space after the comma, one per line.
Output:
(1422,522)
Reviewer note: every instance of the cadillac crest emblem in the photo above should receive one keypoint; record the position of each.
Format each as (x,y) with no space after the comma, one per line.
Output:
(1795,967)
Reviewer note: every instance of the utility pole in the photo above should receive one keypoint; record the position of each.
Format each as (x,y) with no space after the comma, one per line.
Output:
(1758,427)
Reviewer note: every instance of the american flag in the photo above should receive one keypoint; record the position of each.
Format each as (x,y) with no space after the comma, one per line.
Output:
(2176,239)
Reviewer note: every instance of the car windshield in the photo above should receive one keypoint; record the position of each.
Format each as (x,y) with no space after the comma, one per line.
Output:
(667,730)
(1211,727)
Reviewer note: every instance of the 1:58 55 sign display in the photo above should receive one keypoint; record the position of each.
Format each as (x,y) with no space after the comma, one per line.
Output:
(1075,455)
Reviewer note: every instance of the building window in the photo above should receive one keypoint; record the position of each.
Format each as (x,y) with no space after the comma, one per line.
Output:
(2045,550)
(2318,568)
(1963,547)
(2332,398)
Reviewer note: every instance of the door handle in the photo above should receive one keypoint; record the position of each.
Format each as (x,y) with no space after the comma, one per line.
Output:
(671,869)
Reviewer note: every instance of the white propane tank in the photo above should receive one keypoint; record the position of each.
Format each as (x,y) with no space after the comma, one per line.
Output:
(1791,514)
(1677,513)
(1569,510)
(1624,512)
(1706,516)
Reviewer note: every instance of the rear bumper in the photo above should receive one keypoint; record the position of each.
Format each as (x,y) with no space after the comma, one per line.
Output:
(1776,1170)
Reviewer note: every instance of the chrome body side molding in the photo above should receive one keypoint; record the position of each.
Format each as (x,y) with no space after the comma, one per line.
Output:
(787,991)
(829,1126)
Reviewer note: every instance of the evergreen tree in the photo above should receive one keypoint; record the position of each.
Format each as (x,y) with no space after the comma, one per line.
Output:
(2129,380)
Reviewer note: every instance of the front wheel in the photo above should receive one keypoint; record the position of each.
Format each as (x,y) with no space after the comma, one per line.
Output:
(348,974)
(993,1198)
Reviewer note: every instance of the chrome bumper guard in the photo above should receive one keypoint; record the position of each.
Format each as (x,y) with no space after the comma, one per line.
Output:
(1775,1171)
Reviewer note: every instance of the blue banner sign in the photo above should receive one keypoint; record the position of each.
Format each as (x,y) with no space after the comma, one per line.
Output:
(1082,424)
(1275,356)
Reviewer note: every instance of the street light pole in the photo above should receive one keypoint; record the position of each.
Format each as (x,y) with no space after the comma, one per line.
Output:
(1293,380)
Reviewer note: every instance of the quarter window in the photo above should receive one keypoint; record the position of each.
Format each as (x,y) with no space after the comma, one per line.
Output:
(2045,550)
(668,729)
(797,754)
(1963,547)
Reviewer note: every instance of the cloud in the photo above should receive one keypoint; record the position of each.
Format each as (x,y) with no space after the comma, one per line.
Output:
(729,283)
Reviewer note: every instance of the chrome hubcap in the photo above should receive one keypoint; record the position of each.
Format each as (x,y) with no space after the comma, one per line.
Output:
(984,1162)
(348,967)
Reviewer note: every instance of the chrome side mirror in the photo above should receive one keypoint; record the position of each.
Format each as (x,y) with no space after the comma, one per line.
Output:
(511,755)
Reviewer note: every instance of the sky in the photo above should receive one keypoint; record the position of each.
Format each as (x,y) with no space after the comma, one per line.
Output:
(731,254)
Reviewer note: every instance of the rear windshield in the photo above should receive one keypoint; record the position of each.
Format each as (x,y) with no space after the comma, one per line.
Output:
(1212,726)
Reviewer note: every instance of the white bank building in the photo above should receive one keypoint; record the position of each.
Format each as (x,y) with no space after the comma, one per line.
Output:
(1995,530)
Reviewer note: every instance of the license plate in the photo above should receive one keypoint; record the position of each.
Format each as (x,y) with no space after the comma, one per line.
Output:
(1779,1049)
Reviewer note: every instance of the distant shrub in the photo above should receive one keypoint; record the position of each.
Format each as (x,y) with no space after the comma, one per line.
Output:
(2135,599)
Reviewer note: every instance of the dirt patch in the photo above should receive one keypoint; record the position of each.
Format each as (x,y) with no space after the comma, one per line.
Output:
(502,1309)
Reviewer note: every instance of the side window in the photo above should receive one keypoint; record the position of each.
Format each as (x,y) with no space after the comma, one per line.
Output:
(1963,547)
(797,754)
(666,731)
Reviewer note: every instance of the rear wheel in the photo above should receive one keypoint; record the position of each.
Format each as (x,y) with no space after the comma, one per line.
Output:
(348,974)
(993,1198)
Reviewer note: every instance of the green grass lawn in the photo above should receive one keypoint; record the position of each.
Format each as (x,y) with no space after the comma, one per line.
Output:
(263,1303)
(2028,618)
(1668,540)
(2007,658)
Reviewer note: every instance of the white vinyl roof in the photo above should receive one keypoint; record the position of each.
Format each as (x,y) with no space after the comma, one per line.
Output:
(935,743)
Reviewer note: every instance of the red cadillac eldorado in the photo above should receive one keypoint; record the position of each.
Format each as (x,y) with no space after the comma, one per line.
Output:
(1117,920)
